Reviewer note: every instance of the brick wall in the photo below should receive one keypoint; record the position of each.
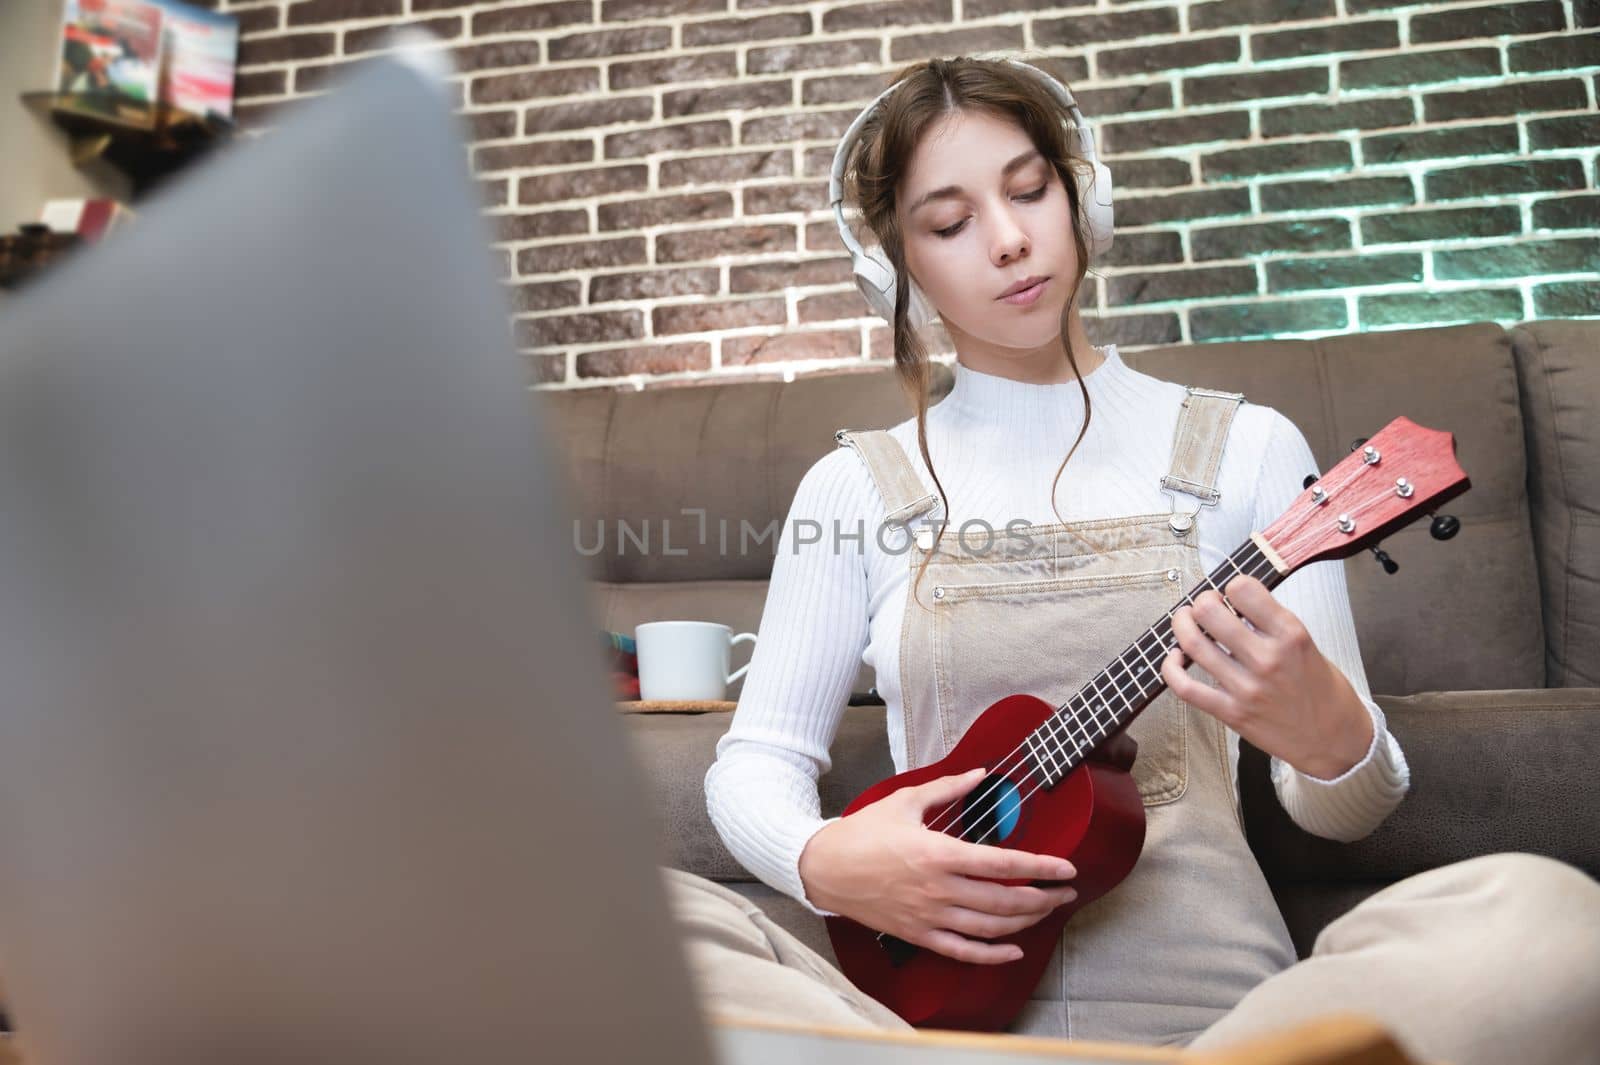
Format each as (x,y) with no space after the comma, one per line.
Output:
(657,169)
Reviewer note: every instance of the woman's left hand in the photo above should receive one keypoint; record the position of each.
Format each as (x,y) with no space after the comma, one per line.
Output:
(1276,689)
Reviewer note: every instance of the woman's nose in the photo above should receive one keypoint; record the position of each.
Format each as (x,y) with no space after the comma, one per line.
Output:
(1010,239)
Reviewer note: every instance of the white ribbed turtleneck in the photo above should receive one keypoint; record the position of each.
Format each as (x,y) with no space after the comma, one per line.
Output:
(996,444)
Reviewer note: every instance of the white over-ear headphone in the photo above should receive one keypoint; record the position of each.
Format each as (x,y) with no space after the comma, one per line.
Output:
(874,273)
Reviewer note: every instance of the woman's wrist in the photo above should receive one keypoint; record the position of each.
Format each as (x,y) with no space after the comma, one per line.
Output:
(1349,744)
(814,895)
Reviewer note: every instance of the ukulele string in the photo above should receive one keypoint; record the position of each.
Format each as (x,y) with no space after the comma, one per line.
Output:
(1301,535)
(1006,764)
(1076,749)
(1294,537)
(1289,542)
(1295,534)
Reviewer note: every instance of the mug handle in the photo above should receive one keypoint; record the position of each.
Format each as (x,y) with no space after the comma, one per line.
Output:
(741,638)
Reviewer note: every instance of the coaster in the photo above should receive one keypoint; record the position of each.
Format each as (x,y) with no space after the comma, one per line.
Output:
(677,706)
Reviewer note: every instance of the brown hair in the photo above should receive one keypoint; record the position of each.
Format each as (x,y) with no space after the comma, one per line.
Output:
(876,168)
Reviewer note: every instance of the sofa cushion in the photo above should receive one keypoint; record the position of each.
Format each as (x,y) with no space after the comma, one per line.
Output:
(1491,771)
(1558,364)
(713,468)
(1459,614)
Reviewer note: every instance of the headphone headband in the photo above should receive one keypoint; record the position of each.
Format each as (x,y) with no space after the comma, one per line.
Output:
(873,272)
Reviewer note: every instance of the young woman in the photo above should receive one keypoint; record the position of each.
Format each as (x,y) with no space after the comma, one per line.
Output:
(1079,485)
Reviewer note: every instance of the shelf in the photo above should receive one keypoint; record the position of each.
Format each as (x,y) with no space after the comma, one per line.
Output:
(146,143)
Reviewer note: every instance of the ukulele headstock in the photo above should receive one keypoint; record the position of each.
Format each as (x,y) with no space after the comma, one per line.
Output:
(1403,472)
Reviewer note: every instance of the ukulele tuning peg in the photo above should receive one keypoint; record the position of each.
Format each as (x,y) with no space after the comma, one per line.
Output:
(1389,565)
(1311,479)
(1357,444)
(1444,526)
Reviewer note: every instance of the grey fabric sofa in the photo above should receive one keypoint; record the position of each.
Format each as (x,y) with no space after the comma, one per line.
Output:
(1484,650)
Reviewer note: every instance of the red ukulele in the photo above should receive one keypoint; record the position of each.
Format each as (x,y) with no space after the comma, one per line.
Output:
(1058,782)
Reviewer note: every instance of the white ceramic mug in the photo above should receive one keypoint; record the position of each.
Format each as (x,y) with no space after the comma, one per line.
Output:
(686,659)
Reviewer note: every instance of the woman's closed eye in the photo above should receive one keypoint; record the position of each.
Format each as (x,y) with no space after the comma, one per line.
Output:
(950,231)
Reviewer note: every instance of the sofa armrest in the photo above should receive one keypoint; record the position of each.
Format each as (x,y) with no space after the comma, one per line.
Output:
(1513,770)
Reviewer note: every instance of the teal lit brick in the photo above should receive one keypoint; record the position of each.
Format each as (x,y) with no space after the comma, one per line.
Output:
(1498,179)
(1256,12)
(1152,172)
(1275,159)
(1567,299)
(1567,212)
(1501,20)
(1518,98)
(1411,146)
(1239,242)
(1179,55)
(1168,286)
(1133,330)
(1318,195)
(1440,308)
(1120,138)
(1572,131)
(1345,271)
(1418,68)
(1140,249)
(1323,40)
(1239,321)
(1298,120)
(1452,224)
(1528,258)
(1125,99)
(1262,85)
(1182,206)
(1567,51)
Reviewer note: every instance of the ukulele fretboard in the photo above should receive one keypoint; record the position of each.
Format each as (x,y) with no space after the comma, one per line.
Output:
(1132,681)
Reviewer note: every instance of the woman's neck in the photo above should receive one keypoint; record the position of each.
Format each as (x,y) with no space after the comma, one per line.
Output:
(980,397)
(1044,365)
(1051,369)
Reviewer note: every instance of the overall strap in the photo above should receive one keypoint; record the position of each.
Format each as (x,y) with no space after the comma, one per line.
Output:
(904,495)
(1197,445)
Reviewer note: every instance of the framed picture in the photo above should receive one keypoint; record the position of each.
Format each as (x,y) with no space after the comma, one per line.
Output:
(109,61)
(202,54)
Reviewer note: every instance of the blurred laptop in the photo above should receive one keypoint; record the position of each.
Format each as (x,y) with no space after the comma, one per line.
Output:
(306,751)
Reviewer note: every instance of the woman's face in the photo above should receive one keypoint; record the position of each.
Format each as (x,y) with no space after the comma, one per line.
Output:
(997,214)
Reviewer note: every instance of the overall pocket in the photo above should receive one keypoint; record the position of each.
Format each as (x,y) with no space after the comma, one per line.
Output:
(1048,638)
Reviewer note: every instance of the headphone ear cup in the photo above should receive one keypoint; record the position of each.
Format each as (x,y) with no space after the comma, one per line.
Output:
(875,280)
(1094,195)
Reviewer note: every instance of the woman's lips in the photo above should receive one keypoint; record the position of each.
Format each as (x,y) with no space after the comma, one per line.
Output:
(1027,295)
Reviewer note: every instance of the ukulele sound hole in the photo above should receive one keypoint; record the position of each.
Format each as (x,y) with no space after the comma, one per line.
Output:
(990,811)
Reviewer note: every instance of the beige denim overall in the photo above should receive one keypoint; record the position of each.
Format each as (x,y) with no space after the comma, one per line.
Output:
(1194,927)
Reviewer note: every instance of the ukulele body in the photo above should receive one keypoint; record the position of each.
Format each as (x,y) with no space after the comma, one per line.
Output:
(1093,817)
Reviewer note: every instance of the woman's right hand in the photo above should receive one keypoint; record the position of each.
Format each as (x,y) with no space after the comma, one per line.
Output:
(883,867)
